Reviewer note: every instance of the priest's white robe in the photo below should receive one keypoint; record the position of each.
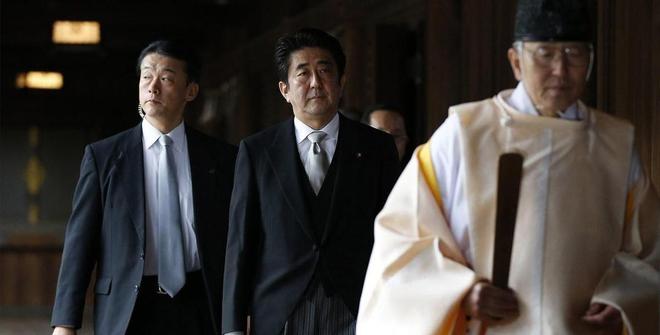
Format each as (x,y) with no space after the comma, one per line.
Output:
(585,233)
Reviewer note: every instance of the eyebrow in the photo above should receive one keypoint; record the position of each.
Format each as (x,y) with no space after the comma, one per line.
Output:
(149,67)
(301,65)
(321,62)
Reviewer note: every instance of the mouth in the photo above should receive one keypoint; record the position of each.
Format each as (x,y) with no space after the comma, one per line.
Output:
(153,101)
(562,88)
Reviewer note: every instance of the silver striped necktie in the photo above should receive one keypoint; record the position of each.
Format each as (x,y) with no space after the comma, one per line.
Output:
(317,161)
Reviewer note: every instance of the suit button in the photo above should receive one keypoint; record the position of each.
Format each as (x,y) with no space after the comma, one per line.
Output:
(315,248)
(142,255)
(137,288)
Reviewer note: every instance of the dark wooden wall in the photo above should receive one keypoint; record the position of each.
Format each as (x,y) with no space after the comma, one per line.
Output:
(466,59)
(628,71)
(29,273)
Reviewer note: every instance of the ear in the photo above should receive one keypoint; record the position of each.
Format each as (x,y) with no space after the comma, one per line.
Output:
(514,60)
(284,90)
(191,91)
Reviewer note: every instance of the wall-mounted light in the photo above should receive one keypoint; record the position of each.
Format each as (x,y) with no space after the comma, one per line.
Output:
(76,32)
(40,80)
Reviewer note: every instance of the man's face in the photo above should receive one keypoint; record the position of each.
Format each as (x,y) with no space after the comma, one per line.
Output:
(163,87)
(553,73)
(314,88)
(393,124)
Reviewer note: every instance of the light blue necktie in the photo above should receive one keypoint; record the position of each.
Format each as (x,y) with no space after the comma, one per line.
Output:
(171,268)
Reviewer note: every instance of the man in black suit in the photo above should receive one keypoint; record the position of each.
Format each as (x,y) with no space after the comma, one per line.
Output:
(150,212)
(305,196)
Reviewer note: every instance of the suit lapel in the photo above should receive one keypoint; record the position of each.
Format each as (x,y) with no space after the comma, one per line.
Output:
(284,158)
(350,160)
(130,170)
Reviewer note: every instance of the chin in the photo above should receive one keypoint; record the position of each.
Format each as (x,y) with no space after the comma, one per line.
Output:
(319,111)
(559,104)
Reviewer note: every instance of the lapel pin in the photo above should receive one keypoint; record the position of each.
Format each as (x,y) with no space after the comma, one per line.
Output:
(358,155)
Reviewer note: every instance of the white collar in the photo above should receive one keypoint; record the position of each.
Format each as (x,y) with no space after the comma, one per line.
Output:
(151,134)
(521,102)
(303,130)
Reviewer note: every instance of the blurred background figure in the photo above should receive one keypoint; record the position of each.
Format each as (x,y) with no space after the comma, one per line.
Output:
(390,120)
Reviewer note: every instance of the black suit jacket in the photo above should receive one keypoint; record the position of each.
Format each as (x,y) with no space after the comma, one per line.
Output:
(272,251)
(107,227)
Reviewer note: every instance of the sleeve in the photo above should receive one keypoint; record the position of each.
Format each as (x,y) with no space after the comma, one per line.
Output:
(241,241)
(417,276)
(446,160)
(632,283)
(80,245)
(445,156)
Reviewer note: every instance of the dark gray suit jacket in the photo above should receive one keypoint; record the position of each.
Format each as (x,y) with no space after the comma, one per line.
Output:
(272,251)
(106,229)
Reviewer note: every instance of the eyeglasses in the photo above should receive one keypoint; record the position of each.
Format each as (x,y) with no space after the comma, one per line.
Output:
(575,55)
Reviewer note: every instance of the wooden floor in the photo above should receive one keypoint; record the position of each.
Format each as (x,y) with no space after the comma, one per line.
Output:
(31,325)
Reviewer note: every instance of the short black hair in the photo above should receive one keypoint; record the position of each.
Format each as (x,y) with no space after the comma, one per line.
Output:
(366,116)
(177,50)
(306,38)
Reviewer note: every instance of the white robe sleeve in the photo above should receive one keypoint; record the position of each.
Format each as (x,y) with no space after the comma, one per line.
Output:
(417,276)
(632,283)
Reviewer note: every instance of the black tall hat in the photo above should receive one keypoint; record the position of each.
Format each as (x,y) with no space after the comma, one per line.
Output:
(552,20)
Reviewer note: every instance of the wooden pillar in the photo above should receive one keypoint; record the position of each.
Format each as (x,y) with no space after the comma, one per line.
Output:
(628,69)
(442,55)
(466,45)
(353,42)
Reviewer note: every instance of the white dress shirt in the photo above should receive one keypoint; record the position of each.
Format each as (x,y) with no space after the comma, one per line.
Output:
(151,150)
(329,142)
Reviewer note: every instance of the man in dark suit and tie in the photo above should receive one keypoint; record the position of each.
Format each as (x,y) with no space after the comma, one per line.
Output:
(305,196)
(150,213)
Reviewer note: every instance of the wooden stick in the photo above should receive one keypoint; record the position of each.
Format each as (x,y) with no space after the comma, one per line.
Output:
(508,190)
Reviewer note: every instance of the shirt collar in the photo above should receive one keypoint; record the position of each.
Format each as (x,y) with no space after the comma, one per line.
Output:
(521,102)
(302,130)
(151,134)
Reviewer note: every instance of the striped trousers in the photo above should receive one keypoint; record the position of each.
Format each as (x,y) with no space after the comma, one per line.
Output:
(318,314)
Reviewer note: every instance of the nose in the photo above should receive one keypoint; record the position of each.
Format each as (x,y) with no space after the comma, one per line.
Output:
(315,80)
(559,65)
(154,86)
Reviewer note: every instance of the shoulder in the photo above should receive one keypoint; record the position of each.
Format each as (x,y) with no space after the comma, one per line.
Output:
(612,129)
(118,142)
(604,119)
(472,109)
(213,143)
(366,140)
(363,132)
(265,137)
(465,114)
